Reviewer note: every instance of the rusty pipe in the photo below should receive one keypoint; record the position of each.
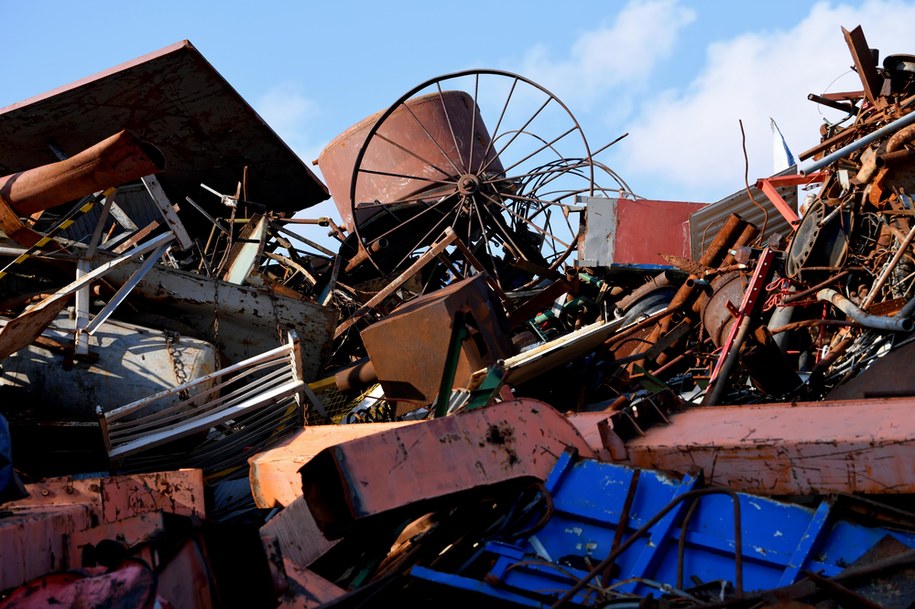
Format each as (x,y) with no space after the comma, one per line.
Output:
(877,322)
(884,275)
(900,139)
(360,375)
(116,160)
(887,159)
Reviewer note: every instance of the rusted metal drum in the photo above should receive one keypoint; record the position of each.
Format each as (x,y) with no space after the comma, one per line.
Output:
(716,315)
(422,139)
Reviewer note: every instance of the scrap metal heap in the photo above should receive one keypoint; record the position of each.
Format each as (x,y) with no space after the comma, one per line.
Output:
(514,382)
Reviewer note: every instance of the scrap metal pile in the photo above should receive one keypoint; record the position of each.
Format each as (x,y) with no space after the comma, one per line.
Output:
(510,380)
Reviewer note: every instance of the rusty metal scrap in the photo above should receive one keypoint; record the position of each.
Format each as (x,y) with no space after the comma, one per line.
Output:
(387,418)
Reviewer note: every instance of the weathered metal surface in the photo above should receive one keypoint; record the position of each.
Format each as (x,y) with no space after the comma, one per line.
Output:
(130,585)
(415,146)
(294,535)
(133,362)
(703,223)
(411,370)
(112,498)
(418,464)
(174,98)
(855,446)
(33,540)
(634,232)
(186,580)
(193,407)
(131,533)
(113,161)
(274,473)
(241,321)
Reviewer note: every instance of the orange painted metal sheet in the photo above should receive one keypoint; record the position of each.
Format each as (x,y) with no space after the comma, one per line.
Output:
(435,459)
(274,473)
(117,497)
(33,541)
(854,446)
(294,535)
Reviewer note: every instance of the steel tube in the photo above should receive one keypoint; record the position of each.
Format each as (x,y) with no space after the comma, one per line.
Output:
(877,322)
(844,151)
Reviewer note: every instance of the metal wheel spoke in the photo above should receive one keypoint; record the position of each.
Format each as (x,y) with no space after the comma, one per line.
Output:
(539,150)
(517,250)
(414,217)
(433,140)
(457,148)
(486,240)
(401,175)
(473,120)
(526,220)
(516,134)
(495,133)
(414,155)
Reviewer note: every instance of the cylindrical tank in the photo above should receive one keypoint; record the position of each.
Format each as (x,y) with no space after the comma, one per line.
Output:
(426,138)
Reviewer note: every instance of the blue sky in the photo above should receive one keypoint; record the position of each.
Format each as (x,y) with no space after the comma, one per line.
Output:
(677,75)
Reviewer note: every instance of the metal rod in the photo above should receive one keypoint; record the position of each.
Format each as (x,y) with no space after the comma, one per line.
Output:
(885,273)
(844,151)
(877,322)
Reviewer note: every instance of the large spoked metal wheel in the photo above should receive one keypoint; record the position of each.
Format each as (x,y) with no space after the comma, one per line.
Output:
(492,155)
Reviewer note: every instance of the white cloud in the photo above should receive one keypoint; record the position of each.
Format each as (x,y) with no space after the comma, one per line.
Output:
(689,138)
(290,113)
(648,32)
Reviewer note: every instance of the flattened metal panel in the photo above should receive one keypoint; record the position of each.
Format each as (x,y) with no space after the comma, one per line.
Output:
(855,446)
(635,231)
(175,99)
(416,464)
(704,224)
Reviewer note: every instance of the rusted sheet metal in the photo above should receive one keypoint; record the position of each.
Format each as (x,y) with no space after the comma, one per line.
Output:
(113,161)
(130,585)
(415,146)
(855,446)
(881,379)
(294,535)
(411,370)
(274,473)
(33,540)
(305,589)
(131,532)
(241,321)
(117,497)
(421,463)
(292,541)
(176,99)
(624,232)
(185,580)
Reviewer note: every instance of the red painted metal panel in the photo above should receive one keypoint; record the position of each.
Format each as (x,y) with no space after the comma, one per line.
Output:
(435,459)
(855,446)
(274,473)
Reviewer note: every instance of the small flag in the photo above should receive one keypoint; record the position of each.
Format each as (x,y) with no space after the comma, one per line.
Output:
(781,154)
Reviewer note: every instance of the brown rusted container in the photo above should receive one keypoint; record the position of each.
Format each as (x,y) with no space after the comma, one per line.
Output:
(717,317)
(415,143)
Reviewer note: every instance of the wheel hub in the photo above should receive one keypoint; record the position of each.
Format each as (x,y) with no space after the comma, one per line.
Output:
(468,184)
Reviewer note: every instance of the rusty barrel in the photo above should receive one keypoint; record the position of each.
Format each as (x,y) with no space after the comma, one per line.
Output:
(429,137)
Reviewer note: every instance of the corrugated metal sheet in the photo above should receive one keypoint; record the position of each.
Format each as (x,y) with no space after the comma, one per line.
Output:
(704,224)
